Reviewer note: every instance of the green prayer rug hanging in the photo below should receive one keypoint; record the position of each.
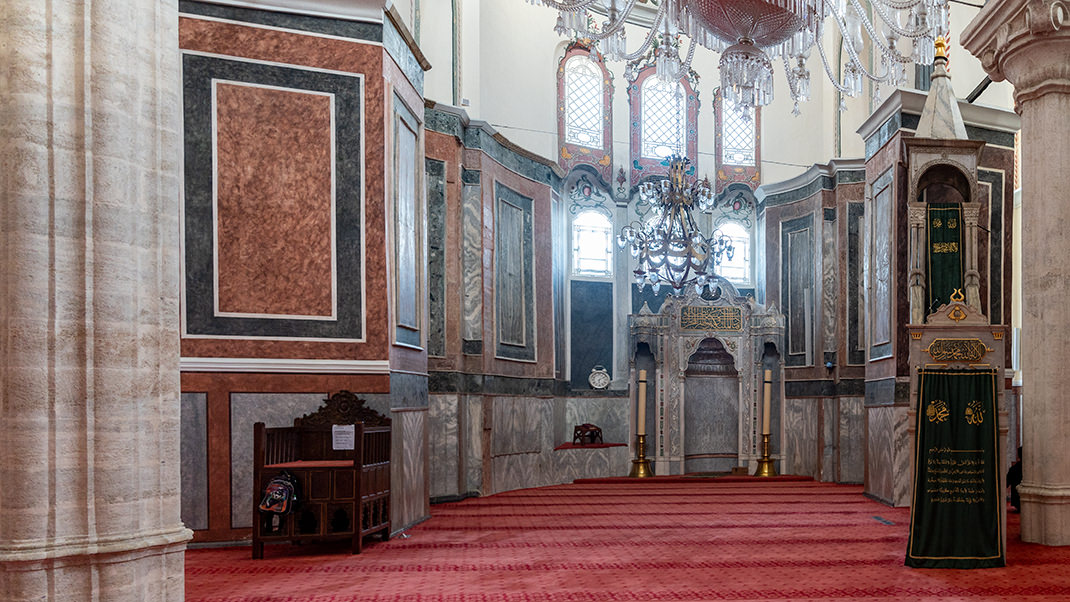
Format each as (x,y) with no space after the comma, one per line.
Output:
(955,518)
(945,255)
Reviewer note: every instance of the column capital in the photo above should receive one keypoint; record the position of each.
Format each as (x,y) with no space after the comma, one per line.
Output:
(1025,42)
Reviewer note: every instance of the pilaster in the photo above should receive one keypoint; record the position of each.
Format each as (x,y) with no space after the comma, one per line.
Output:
(1027,42)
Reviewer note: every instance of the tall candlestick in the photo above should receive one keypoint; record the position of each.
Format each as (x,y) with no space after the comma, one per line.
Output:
(640,420)
(768,389)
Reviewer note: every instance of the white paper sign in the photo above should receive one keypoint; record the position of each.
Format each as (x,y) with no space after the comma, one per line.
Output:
(343,436)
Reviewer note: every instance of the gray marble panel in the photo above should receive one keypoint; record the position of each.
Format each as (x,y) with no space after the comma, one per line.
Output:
(881,261)
(800,438)
(520,424)
(408,390)
(880,466)
(611,414)
(829,452)
(830,286)
(246,409)
(444,463)
(436,256)
(409,499)
(711,419)
(514,274)
(797,286)
(471,432)
(571,464)
(194,459)
(852,440)
(592,330)
(902,453)
(856,350)
(472,262)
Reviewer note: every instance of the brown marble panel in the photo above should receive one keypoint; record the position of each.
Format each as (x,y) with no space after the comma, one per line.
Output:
(448,149)
(235,39)
(274,201)
(325,53)
(543,367)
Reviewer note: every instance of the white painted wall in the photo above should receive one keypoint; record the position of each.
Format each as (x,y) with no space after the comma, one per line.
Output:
(508,61)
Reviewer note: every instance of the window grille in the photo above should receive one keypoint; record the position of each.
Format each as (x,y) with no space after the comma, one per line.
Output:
(664,118)
(584,102)
(737,136)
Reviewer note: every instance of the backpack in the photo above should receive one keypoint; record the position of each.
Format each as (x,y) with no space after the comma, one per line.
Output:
(280,495)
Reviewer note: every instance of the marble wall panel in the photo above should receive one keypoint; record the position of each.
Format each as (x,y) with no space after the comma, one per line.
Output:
(880,465)
(800,438)
(902,454)
(274,199)
(436,256)
(514,275)
(520,424)
(829,283)
(797,288)
(571,464)
(852,441)
(194,460)
(471,258)
(471,432)
(246,409)
(611,414)
(829,439)
(711,416)
(444,445)
(409,501)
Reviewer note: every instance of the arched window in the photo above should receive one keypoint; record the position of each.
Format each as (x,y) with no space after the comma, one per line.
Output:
(737,135)
(664,119)
(739,154)
(592,248)
(584,116)
(737,269)
(584,107)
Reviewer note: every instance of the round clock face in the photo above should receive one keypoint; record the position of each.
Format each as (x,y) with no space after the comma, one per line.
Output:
(599,378)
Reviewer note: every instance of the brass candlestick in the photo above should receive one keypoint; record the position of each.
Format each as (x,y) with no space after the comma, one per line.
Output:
(765,464)
(640,465)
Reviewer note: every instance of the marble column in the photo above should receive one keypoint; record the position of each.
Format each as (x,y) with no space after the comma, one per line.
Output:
(1027,42)
(89,345)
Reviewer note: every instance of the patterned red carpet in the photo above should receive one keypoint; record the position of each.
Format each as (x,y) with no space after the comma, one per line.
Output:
(700,540)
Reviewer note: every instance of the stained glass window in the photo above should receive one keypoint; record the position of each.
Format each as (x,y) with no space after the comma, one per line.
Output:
(736,269)
(592,248)
(584,102)
(664,118)
(737,136)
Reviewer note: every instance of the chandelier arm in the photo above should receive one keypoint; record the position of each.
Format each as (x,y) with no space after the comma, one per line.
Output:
(911,33)
(903,5)
(568,6)
(649,36)
(853,54)
(793,82)
(685,67)
(828,69)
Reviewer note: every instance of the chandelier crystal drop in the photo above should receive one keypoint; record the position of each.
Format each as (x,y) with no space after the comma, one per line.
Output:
(748,32)
(670,247)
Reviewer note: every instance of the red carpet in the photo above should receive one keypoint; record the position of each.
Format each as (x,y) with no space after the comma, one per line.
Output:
(696,540)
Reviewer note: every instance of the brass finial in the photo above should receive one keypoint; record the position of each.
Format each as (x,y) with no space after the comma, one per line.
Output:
(941,48)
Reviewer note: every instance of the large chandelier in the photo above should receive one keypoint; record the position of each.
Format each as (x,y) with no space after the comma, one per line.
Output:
(669,245)
(747,33)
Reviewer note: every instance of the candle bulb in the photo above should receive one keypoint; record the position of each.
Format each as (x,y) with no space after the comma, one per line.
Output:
(765,401)
(640,420)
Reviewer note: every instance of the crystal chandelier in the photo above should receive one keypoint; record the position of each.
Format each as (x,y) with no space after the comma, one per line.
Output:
(746,33)
(669,245)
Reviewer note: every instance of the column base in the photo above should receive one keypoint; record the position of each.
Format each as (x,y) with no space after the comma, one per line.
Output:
(1045,514)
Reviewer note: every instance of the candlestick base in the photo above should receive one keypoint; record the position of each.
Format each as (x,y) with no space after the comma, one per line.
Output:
(765,463)
(640,465)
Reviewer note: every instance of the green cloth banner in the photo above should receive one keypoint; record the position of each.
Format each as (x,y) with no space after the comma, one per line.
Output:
(955,518)
(944,227)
